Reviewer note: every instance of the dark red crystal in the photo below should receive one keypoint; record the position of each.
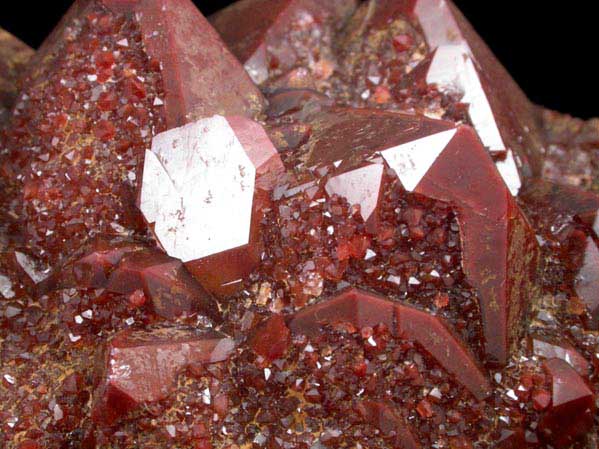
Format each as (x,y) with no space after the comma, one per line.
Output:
(361,310)
(271,339)
(389,422)
(141,367)
(572,406)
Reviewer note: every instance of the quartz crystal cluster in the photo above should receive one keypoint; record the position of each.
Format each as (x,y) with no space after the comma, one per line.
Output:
(295,224)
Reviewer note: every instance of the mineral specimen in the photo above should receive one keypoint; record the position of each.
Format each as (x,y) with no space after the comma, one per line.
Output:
(293,224)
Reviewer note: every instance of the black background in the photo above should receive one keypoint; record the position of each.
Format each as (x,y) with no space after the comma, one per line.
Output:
(548,46)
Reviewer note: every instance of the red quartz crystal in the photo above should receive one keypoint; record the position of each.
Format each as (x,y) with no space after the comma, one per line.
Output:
(572,405)
(141,367)
(361,310)
(127,267)
(271,339)
(296,224)
(457,63)
(187,67)
(389,423)
(194,222)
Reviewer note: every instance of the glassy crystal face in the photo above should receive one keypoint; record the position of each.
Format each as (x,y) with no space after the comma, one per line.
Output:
(146,276)
(142,367)
(350,151)
(549,348)
(203,193)
(572,405)
(461,63)
(342,225)
(362,310)
(428,45)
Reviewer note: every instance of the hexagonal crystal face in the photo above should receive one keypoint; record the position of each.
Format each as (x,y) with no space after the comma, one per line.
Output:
(199,187)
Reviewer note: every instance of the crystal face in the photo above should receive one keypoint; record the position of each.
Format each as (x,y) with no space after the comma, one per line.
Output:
(294,224)
(363,310)
(449,165)
(202,193)
(465,66)
(283,34)
(142,367)
(572,405)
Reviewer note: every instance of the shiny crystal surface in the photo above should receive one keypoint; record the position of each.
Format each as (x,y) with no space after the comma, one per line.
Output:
(292,225)
(572,405)
(143,366)
(363,310)
(438,161)
(194,177)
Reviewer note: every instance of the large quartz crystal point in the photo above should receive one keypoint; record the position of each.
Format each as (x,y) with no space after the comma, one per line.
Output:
(118,72)
(200,76)
(446,163)
(205,187)
(500,251)
(265,44)
(460,64)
